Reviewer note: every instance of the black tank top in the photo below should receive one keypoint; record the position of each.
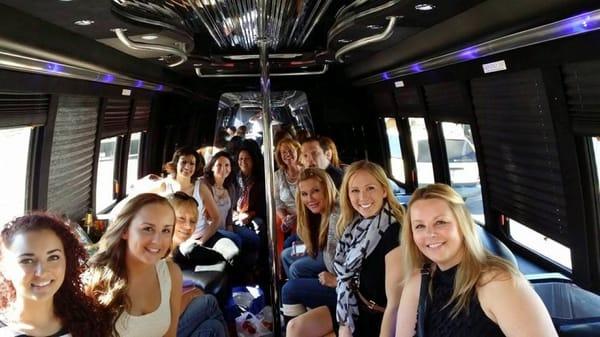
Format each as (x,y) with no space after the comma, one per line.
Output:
(471,322)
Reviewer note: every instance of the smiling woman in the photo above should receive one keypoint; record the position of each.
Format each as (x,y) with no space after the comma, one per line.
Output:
(41,293)
(129,275)
(472,292)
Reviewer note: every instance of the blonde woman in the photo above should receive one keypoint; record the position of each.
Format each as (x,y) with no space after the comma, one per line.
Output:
(287,154)
(200,313)
(368,274)
(472,292)
(318,213)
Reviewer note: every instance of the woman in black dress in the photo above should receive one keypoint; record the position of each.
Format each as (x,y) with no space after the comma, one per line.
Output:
(473,293)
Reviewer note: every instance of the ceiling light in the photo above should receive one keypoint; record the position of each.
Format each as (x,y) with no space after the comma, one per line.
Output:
(150,37)
(65,0)
(374,27)
(344,41)
(424,7)
(83,22)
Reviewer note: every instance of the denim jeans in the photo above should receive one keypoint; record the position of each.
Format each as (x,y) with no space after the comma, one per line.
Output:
(236,238)
(296,267)
(202,318)
(309,293)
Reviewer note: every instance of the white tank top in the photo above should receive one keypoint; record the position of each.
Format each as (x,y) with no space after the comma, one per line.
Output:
(156,323)
(200,224)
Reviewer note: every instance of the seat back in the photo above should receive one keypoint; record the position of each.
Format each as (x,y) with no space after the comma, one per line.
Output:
(495,246)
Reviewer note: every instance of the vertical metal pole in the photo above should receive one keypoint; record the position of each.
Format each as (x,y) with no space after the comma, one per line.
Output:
(265,86)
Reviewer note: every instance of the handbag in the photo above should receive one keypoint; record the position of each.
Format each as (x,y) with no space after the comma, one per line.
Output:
(423,299)
(370,304)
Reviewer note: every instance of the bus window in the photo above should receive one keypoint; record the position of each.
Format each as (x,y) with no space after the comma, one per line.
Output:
(395,150)
(14,145)
(462,162)
(420,142)
(290,113)
(106,173)
(540,243)
(133,160)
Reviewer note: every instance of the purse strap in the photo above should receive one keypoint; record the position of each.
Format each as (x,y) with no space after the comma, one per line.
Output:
(423,299)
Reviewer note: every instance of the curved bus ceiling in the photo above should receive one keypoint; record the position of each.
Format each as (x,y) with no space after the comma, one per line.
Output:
(219,37)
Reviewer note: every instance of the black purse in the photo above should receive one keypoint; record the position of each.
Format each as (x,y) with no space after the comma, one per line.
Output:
(423,299)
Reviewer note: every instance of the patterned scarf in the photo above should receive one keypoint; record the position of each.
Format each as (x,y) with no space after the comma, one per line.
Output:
(245,183)
(356,244)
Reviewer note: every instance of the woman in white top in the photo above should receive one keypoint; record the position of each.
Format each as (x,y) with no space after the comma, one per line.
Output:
(286,182)
(129,275)
(188,169)
(41,294)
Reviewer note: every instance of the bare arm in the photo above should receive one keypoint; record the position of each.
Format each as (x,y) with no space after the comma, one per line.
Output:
(406,319)
(175,302)
(393,290)
(212,212)
(514,305)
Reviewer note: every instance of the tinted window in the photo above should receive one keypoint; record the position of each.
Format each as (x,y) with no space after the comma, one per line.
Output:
(14,146)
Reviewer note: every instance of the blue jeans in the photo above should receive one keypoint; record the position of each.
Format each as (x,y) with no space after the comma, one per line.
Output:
(202,318)
(309,293)
(296,267)
(290,240)
(232,236)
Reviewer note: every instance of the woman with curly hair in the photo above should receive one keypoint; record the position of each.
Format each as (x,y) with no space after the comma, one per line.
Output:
(41,294)
(129,274)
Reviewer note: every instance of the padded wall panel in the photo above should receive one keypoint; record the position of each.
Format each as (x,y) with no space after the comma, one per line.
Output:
(71,164)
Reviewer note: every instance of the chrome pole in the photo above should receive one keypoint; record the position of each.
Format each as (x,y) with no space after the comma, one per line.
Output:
(265,86)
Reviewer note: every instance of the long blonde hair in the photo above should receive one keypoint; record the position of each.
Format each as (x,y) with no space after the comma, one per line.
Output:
(107,273)
(347,212)
(304,228)
(476,259)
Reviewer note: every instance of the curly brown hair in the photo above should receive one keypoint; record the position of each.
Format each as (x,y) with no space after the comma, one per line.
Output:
(80,314)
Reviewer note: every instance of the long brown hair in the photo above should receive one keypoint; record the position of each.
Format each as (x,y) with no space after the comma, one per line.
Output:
(108,273)
(347,212)
(79,314)
(476,259)
(305,228)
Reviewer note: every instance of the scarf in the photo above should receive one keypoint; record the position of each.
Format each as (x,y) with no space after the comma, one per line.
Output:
(356,244)
(245,183)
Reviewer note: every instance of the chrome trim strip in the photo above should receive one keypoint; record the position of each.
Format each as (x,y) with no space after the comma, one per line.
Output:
(256,56)
(153,47)
(317,19)
(16,62)
(316,72)
(572,26)
(389,30)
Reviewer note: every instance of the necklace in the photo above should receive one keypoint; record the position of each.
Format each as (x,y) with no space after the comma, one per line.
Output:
(220,195)
(291,179)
